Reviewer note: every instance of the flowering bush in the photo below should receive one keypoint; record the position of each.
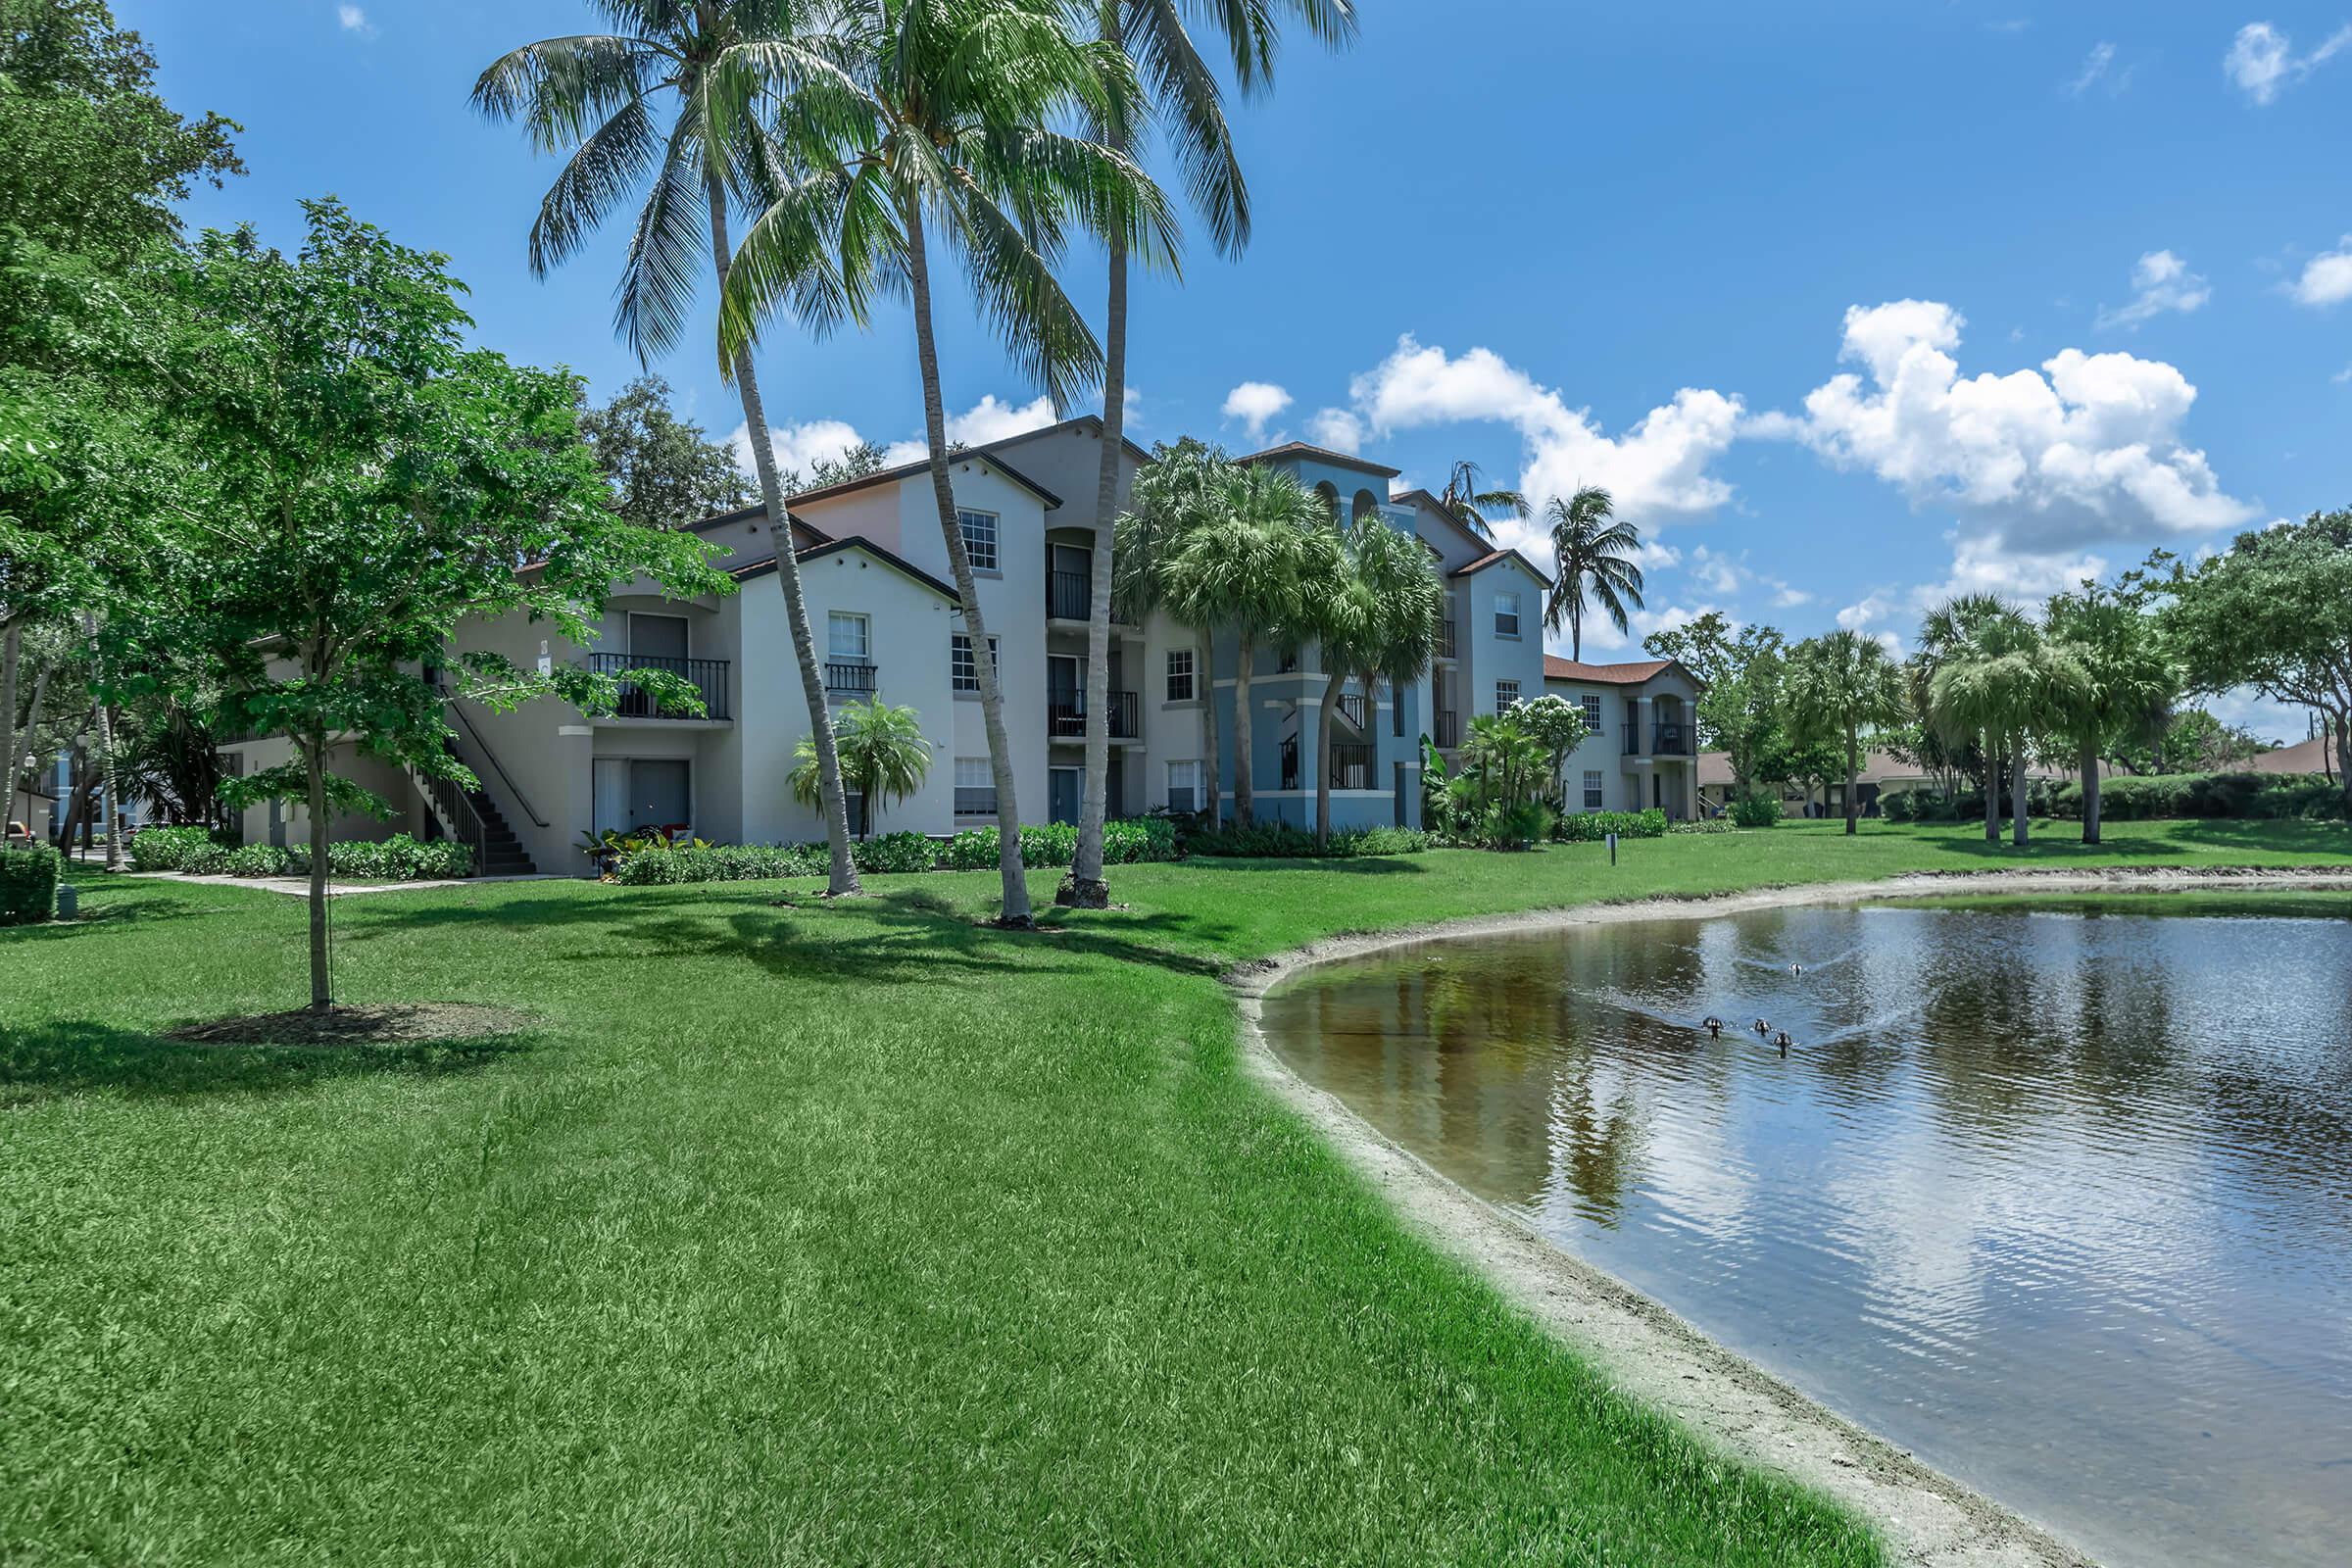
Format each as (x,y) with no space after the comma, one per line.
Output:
(1590,827)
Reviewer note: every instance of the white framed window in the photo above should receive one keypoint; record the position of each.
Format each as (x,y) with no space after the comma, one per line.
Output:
(1592,706)
(1180,675)
(979,530)
(1591,789)
(848,636)
(1507,613)
(975,787)
(1506,694)
(1184,787)
(962,674)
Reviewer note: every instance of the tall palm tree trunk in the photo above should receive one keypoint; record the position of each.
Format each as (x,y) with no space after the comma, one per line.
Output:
(2016,789)
(842,879)
(1212,761)
(1853,769)
(1993,789)
(2090,790)
(1244,786)
(1576,632)
(1086,886)
(1323,761)
(1016,911)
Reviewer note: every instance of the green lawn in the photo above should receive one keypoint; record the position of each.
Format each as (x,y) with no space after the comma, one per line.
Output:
(803,1234)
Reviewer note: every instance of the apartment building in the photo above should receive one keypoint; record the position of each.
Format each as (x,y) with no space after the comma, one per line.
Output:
(1644,748)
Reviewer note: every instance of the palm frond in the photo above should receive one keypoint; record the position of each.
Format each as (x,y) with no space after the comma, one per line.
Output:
(666,250)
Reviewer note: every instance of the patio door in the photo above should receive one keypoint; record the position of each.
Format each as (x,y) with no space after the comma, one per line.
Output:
(657,636)
(1065,708)
(630,793)
(1063,786)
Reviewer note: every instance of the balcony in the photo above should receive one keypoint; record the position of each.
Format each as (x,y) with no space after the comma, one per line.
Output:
(707,678)
(1446,729)
(1445,639)
(1353,708)
(1669,740)
(1069,596)
(1351,764)
(1065,715)
(850,678)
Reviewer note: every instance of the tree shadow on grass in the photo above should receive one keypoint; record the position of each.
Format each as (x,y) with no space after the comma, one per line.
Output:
(2054,845)
(1345,865)
(77,1056)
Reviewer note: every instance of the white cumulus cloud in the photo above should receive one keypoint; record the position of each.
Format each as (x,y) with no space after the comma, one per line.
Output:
(1337,429)
(2326,278)
(2162,281)
(2262,62)
(800,447)
(354,20)
(1255,404)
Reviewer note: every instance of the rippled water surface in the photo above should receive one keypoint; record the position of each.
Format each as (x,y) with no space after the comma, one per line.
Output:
(2056,1195)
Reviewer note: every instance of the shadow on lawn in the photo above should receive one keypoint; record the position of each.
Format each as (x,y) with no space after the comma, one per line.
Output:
(77,1057)
(1346,865)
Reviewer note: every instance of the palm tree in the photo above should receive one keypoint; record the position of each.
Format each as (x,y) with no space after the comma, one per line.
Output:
(1245,566)
(1171,499)
(1470,504)
(1182,94)
(914,113)
(1378,616)
(1590,545)
(2012,682)
(1959,634)
(593,96)
(2128,681)
(884,758)
(1838,685)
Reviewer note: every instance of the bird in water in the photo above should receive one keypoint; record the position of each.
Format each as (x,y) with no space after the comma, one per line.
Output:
(1796,968)
(1714,1027)
(1761,1027)
(1783,1041)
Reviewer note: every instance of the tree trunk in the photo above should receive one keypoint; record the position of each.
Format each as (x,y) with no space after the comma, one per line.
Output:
(1323,747)
(78,802)
(321,993)
(106,754)
(842,879)
(2017,790)
(1016,911)
(12,647)
(2344,755)
(1244,785)
(2090,792)
(32,725)
(1992,790)
(1576,632)
(1853,769)
(1212,758)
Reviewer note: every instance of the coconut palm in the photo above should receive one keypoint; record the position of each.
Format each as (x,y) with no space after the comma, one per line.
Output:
(601,98)
(2128,680)
(884,758)
(1181,94)
(1840,685)
(1377,610)
(1172,498)
(1589,545)
(1245,566)
(921,122)
(1470,504)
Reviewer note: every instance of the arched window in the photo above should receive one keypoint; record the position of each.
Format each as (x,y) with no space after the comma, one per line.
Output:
(1331,496)
(1367,505)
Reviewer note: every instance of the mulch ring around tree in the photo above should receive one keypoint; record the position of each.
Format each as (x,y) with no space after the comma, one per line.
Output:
(394,1023)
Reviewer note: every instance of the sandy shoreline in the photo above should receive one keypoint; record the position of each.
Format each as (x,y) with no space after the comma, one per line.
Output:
(1925,1517)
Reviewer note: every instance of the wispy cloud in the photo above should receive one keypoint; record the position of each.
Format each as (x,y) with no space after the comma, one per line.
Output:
(355,20)
(2262,62)
(2163,282)
(2094,67)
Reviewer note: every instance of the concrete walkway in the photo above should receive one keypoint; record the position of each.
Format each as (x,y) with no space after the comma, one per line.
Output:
(300,887)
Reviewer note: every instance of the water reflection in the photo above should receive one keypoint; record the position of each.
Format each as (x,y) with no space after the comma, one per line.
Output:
(2058,1194)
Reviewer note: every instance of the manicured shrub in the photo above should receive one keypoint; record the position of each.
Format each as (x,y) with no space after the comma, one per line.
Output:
(1705,824)
(29,884)
(1590,827)
(1049,844)
(400,858)
(1134,840)
(896,852)
(258,859)
(1384,841)
(972,849)
(2147,797)
(166,848)
(1756,808)
(1516,825)
(207,859)
(662,864)
(1281,840)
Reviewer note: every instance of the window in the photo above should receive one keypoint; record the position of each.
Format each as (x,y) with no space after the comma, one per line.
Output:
(1506,694)
(848,636)
(1507,613)
(979,538)
(1591,789)
(962,676)
(1184,787)
(1592,713)
(975,787)
(1180,675)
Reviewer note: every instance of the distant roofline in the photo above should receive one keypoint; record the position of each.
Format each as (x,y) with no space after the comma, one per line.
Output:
(856,541)
(1442,510)
(1617,674)
(985,454)
(1497,558)
(1301,449)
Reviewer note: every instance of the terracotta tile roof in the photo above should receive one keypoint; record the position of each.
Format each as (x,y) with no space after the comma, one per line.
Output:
(1633,675)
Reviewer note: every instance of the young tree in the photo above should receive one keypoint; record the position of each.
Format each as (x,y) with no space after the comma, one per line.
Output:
(663,471)
(2128,680)
(1841,685)
(594,97)
(1560,725)
(910,114)
(2274,611)
(1180,92)
(367,483)
(1589,546)
(1378,610)
(884,758)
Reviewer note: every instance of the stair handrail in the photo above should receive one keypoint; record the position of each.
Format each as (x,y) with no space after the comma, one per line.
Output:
(456,814)
(450,698)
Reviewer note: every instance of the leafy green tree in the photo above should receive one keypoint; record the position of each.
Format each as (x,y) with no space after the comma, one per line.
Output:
(2274,611)
(1741,708)
(1173,498)
(855,464)
(1180,97)
(884,758)
(2130,679)
(903,114)
(663,471)
(1378,610)
(1471,505)
(601,99)
(1842,685)
(1593,556)
(1560,725)
(369,482)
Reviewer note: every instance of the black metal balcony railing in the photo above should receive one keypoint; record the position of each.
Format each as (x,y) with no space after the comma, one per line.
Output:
(850,678)
(1350,765)
(1351,705)
(1669,740)
(707,678)
(1069,596)
(1445,639)
(1066,716)
(971,801)
(1446,729)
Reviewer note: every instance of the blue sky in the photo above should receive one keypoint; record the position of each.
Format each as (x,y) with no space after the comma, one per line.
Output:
(1848,304)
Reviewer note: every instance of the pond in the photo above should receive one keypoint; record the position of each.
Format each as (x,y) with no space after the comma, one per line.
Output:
(2056,1195)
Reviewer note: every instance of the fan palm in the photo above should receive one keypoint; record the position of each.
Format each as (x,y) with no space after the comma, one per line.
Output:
(1589,546)
(884,758)
(910,114)
(1378,612)
(594,96)
(1180,94)
(1172,498)
(2008,679)
(1245,566)
(1470,504)
(2128,681)
(1956,633)
(1840,685)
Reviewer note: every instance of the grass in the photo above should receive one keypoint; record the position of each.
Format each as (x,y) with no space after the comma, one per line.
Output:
(791,1233)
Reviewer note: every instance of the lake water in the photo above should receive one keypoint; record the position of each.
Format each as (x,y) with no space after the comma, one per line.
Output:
(2057,1194)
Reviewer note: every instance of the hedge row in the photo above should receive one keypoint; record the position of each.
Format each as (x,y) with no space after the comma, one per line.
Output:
(399,859)
(973,849)
(27,884)
(1589,827)
(1283,842)
(2129,799)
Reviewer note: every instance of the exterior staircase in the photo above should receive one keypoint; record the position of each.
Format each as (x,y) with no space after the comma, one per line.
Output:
(500,852)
